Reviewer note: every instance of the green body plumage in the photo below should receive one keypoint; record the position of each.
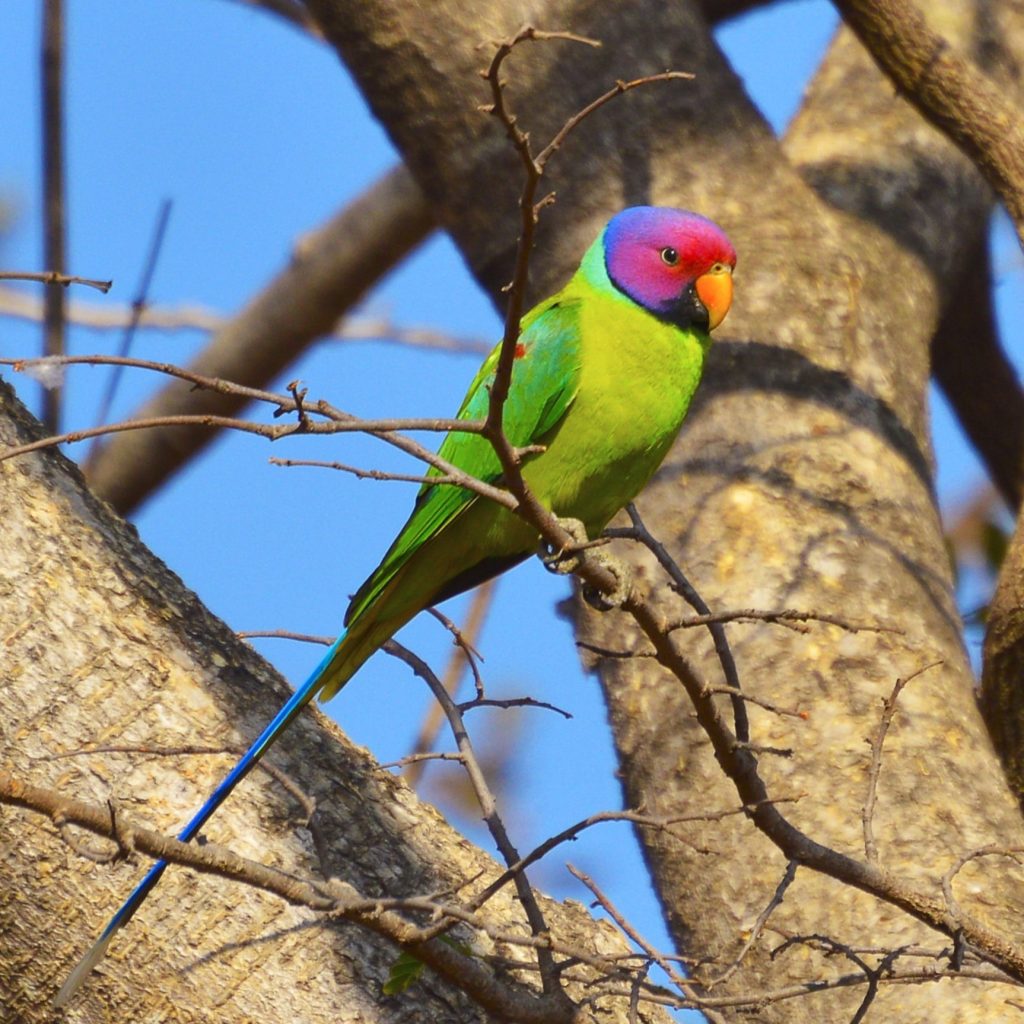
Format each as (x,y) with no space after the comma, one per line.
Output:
(604,385)
(603,378)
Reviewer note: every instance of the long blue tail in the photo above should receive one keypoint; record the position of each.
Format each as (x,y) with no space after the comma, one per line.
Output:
(249,760)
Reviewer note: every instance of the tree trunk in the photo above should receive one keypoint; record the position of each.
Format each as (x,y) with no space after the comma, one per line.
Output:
(103,647)
(804,478)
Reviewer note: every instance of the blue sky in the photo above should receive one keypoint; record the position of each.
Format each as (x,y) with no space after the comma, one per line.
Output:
(257,135)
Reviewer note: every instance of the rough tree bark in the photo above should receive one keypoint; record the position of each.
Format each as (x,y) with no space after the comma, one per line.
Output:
(104,647)
(804,477)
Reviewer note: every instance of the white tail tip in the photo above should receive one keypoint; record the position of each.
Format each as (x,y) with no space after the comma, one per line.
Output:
(82,971)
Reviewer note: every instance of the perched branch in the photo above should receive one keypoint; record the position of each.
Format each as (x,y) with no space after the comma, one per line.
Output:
(695,601)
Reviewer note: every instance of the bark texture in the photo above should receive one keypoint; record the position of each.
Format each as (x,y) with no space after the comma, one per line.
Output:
(804,477)
(103,646)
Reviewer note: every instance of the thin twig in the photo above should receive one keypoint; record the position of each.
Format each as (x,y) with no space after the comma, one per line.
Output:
(364,474)
(782,616)
(762,919)
(138,306)
(627,929)
(689,594)
(888,710)
(512,702)
(637,818)
(465,655)
(54,277)
(488,808)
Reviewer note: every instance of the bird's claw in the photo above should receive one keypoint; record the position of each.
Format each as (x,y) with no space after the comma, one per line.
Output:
(568,559)
(616,598)
(565,560)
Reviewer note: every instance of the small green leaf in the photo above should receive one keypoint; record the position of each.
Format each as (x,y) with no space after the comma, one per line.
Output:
(407,969)
(994,543)
(404,971)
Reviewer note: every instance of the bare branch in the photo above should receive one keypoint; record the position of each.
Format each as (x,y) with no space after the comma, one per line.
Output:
(888,710)
(627,929)
(53,277)
(948,90)
(489,811)
(689,593)
(762,919)
(462,657)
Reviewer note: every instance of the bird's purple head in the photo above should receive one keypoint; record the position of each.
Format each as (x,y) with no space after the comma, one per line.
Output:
(676,264)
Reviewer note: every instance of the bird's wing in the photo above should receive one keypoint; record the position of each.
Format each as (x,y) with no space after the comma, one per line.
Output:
(545,378)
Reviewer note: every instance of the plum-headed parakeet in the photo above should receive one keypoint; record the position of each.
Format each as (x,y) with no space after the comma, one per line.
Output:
(603,377)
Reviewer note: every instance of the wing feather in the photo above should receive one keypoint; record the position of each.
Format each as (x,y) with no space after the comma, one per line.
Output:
(545,379)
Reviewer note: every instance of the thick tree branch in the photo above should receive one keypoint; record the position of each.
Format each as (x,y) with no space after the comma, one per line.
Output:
(979,381)
(328,274)
(950,91)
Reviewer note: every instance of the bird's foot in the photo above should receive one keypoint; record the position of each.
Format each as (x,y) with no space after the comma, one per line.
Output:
(566,559)
(603,601)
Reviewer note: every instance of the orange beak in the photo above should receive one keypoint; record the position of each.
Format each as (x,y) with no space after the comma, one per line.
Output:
(714,289)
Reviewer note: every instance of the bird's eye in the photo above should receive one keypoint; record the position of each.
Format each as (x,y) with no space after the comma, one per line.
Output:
(669,256)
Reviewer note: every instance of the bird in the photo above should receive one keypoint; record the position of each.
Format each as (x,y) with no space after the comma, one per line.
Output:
(603,376)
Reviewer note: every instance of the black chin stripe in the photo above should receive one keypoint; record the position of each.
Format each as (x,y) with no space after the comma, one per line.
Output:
(688,312)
